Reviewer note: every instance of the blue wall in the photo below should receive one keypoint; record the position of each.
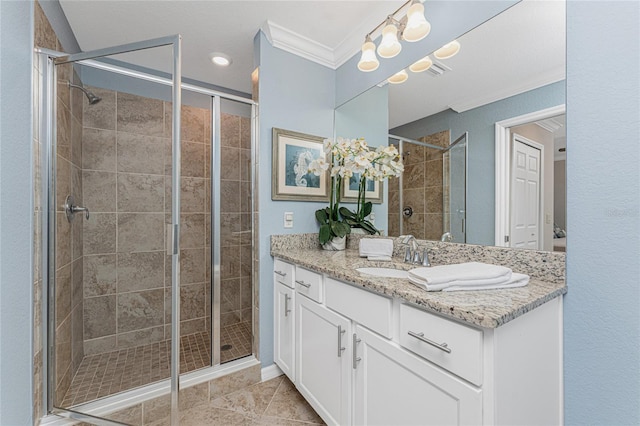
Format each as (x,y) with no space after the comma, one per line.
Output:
(295,94)
(602,320)
(367,116)
(480,123)
(16,207)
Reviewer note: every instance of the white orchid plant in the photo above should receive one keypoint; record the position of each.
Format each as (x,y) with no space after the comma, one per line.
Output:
(347,157)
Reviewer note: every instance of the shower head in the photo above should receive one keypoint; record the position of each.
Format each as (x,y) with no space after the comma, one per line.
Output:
(93,99)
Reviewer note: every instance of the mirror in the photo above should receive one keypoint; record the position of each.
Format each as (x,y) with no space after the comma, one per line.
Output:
(510,70)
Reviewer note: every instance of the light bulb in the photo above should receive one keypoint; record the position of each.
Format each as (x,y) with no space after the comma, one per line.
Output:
(398,78)
(368,60)
(447,51)
(421,65)
(389,46)
(417,26)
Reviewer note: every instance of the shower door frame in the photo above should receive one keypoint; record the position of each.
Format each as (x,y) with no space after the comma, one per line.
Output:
(401,141)
(49,131)
(49,239)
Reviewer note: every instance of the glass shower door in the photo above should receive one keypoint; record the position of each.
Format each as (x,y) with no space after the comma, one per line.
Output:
(455,194)
(113,160)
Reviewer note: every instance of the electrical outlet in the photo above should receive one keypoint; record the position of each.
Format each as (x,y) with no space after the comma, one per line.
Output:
(288,219)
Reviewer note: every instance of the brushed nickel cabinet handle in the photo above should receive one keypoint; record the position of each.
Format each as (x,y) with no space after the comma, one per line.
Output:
(303,284)
(282,274)
(286,305)
(356,358)
(420,336)
(340,347)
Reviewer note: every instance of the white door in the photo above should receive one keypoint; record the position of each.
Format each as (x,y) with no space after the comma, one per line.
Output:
(323,368)
(395,387)
(284,322)
(525,194)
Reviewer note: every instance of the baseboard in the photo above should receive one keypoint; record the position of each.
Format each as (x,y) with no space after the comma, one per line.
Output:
(271,372)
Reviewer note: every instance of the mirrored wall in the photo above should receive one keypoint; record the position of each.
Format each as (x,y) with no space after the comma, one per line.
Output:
(510,69)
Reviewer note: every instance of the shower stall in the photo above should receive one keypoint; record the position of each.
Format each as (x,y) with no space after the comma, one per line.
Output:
(149,243)
(428,200)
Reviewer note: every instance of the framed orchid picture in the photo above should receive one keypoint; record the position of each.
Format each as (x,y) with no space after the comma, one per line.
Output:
(292,154)
(373,190)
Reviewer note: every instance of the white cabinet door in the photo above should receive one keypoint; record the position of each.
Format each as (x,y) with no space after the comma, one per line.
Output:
(323,374)
(284,327)
(395,387)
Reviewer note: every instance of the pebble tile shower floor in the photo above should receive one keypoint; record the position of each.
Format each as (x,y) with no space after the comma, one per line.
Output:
(125,369)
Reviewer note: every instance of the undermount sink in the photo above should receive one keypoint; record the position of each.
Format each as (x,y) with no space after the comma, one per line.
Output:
(384,272)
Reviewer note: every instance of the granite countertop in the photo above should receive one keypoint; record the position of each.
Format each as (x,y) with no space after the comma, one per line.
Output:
(486,308)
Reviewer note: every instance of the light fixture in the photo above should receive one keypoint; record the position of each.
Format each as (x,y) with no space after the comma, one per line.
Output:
(399,77)
(389,46)
(411,27)
(417,26)
(447,51)
(368,60)
(220,58)
(421,65)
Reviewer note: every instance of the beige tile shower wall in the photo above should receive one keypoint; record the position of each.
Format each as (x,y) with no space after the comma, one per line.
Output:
(235,219)
(127,185)
(422,190)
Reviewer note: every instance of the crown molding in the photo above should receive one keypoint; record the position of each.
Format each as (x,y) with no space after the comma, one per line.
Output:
(552,76)
(299,45)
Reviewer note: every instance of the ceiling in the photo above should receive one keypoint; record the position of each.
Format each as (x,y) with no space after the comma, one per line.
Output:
(518,50)
(334,30)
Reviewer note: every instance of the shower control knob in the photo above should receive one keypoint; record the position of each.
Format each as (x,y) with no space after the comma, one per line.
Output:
(407,212)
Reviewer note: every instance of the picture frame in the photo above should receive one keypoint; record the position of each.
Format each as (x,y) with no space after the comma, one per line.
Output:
(373,192)
(292,153)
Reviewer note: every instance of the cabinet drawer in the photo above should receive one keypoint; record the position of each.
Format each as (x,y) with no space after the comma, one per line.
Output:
(309,283)
(366,308)
(283,272)
(462,354)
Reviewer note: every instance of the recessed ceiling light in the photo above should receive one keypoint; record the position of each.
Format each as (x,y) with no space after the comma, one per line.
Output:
(221,59)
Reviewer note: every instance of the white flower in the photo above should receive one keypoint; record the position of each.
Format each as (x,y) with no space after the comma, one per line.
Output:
(318,166)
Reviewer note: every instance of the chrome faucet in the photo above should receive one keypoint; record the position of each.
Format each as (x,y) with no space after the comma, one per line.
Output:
(411,254)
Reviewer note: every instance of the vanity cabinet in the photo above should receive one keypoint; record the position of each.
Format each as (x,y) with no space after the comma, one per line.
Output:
(395,387)
(323,367)
(364,358)
(284,317)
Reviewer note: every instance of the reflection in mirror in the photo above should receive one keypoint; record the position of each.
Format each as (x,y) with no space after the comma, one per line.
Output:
(511,66)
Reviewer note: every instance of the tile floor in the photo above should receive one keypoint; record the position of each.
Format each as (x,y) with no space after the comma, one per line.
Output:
(112,372)
(274,402)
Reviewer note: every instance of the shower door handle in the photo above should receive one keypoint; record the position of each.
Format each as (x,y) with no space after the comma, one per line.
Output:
(71,209)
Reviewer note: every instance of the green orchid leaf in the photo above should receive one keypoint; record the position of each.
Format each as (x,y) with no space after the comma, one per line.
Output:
(368,206)
(346,213)
(325,233)
(337,229)
(321,216)
(368,226)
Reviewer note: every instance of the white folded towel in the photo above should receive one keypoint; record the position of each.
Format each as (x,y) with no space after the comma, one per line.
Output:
(459,277)
(460,272)
(517,280)
(380,258)
(376,247)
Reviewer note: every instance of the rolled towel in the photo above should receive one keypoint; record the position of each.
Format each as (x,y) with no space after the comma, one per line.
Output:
(376,247)
(460,272)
